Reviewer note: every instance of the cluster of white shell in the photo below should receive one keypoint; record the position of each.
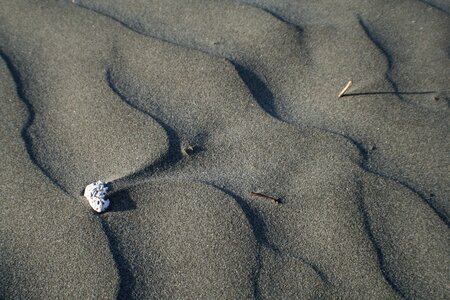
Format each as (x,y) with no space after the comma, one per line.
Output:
(96,193)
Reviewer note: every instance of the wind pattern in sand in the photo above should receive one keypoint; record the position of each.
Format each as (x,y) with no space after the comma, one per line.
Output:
(187,107)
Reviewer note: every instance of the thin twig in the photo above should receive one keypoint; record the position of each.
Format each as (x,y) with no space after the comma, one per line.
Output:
(188,150)
(347,86)
(265,196)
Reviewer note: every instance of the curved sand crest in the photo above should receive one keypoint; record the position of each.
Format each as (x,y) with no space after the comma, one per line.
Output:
(50,245)
(184,240)
(328,229)
(266,154)
(304,62)
(401,234)
(81,130)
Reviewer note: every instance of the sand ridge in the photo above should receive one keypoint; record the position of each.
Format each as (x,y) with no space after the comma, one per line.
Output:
(188,107)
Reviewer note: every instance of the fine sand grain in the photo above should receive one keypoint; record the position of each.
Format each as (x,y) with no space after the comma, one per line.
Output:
(236,170)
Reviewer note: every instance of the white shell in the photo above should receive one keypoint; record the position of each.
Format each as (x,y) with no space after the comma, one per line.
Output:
(95,193)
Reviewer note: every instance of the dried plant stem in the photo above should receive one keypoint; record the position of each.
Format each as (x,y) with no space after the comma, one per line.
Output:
(265,196)
(347,86)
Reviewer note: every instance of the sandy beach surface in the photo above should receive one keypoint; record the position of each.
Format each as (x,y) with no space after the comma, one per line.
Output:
(236,171)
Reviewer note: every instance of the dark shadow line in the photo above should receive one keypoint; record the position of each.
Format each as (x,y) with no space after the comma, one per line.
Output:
(365,159)
(384,51)
(139,31)
(121,201)
(173,154)
(24,133)
(163,162)
(247,76)
(278,17)
(368,229)
(442,215)
(363,211)
(258,88)
(259,230)
(256,223)
(321,274)
(388,93)
(370,35)
(126,277)
(435,6)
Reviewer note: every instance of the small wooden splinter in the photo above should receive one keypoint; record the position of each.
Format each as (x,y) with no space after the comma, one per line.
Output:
(265,196)
(189,150)
(347,86)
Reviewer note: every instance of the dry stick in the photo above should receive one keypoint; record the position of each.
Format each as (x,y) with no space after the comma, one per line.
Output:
(265,196)
(347,86)
(188,150)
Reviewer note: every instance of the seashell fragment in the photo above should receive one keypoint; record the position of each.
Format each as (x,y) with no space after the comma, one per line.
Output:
(96,193)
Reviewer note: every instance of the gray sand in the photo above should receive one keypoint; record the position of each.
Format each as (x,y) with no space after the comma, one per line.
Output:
(187,107)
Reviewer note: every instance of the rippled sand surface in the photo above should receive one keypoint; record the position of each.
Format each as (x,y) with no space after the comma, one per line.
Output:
(236,171)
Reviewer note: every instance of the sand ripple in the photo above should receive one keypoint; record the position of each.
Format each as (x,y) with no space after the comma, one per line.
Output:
(189,106)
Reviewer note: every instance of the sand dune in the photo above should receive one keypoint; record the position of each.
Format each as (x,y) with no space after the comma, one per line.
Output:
(187,107)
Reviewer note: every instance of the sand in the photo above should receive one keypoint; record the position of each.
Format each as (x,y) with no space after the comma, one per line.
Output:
(236,170)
